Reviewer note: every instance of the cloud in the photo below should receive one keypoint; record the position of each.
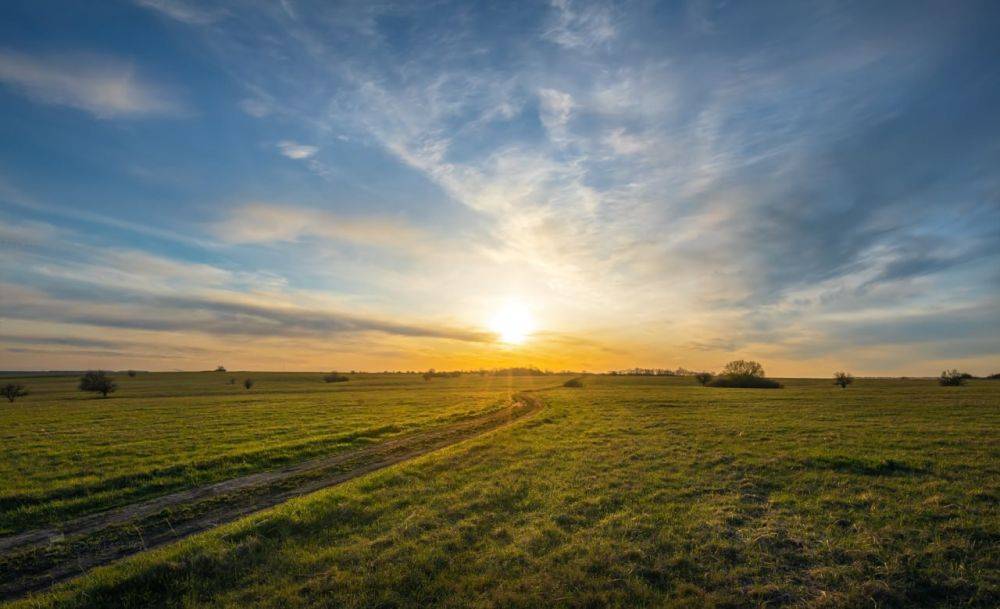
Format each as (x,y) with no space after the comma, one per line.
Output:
(103,86)
(230,315)
(578,25)
(677,179)
(270,223)
(297,151)
(556,108)
(256,108)
(185,12)
(622,142)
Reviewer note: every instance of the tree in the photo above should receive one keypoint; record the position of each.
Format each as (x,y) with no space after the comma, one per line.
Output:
(951,378)
(248,383)
(703,377)
(843,379)
(12,391)
(746,374)
(743,367)
(98,382)
(220,368)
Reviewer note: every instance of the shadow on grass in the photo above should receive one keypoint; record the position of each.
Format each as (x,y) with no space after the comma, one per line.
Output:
(863,467)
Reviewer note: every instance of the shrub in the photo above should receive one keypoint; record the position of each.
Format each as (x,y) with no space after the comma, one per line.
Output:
(248,383)
(747,382)
(12,391)
(573,383)
(232,381)
(131,373)
(952,378)
(703,377)
(333,377)
(98,382)
(843,379)
(994,377)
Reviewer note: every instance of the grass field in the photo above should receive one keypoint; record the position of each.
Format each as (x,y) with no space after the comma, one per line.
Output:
(67,453)
(627,492)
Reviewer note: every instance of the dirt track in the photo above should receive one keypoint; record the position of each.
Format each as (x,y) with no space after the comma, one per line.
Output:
(35,560)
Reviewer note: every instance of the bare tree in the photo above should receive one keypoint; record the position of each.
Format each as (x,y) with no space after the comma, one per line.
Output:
(743,367)
(98,382)
(12,391)
(843,379)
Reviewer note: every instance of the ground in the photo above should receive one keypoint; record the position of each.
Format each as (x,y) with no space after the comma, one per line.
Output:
(630,492)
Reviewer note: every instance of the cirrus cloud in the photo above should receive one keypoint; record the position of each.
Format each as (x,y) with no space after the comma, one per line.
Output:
(105,87)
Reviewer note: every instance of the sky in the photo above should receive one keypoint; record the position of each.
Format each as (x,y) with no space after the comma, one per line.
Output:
(299,185)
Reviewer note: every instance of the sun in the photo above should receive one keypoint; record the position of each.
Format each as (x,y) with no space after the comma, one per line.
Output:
(512,323)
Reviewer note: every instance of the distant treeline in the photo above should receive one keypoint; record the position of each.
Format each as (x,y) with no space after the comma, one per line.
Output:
(653,372)
(516,371)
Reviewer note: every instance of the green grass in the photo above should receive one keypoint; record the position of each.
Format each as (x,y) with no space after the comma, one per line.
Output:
(67,453)
(632,492)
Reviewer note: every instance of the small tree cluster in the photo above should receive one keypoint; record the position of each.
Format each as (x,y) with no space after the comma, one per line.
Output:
(573,383)
(952,378)
(12,391)
(220,368)
(703,378)
(98,382)
(430,374)
(334,377)
(744,374)
(843,379)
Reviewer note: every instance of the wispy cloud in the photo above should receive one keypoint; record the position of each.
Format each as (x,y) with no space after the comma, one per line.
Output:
(237,315)
(296,151)
(580,24)
(271,223)
(103,86)
(186,12)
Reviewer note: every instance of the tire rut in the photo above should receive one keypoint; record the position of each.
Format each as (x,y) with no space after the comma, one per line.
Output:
(35,560)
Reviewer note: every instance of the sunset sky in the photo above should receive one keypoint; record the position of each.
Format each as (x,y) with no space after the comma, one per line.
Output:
(368,185)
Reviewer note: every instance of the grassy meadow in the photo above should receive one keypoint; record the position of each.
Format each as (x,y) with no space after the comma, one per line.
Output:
(68,453)
(626,492)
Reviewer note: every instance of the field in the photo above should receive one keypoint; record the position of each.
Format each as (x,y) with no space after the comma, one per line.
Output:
(67,453)
(629,491)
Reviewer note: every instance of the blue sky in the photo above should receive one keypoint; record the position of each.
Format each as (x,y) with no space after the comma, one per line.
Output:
(318,185)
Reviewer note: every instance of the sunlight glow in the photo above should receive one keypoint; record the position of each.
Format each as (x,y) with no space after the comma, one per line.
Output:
(513,323)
